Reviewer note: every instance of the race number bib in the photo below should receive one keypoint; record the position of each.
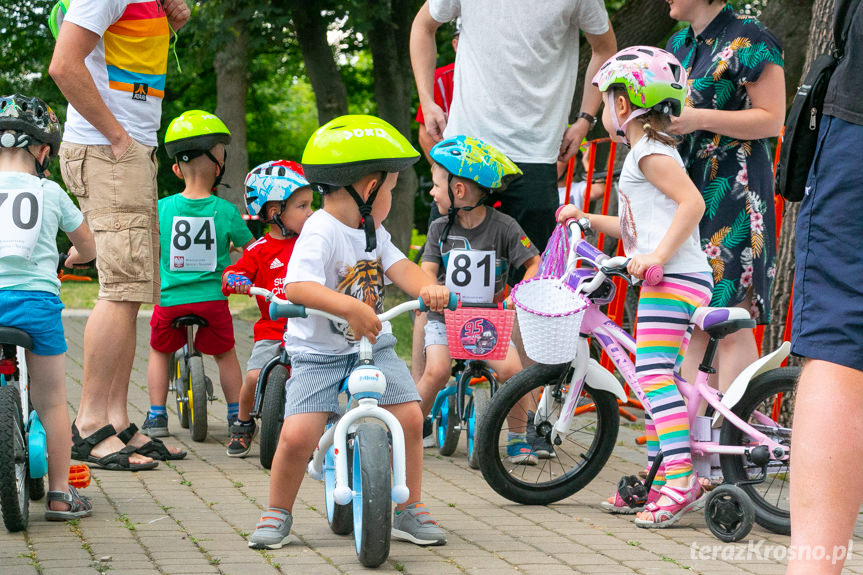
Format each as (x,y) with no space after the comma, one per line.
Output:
(20,221)
(471,274)
(193,244)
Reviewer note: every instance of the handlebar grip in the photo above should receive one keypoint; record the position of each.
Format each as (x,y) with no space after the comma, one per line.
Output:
(653,275)
(289,310)
(587,250)
(452,304)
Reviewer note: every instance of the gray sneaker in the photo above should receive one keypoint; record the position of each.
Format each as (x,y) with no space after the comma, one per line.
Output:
(155,426)
(273,531)
(416,525)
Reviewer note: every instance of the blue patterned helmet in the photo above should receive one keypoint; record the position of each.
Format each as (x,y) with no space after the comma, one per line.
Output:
(272,182)
(473,159)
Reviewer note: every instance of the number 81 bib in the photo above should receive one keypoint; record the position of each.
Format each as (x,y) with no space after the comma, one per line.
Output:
(193,244)
(471,274)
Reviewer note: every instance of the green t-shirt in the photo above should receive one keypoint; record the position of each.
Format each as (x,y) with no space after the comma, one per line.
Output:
(196,237)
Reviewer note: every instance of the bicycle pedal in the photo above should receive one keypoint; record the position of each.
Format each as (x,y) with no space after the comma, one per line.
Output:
(632,491)
(79,476)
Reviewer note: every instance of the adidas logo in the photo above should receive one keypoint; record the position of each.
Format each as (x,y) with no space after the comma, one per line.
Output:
(276,264)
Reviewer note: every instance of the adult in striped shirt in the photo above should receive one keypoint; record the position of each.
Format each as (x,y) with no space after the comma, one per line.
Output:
(110,62)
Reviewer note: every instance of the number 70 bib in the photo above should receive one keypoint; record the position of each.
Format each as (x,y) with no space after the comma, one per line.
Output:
(20,221)
(193,244)
(471,274)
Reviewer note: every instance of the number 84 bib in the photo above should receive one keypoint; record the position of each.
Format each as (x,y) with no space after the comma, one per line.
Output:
(193,244)
(471,274)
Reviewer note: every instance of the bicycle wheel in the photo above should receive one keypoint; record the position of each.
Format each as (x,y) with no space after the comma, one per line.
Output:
(36,485)
(580,455)
(272,413)
(372,485)
(197,399)
(760,409)
(340,517)
(447,426)
(180,383)
(478,407)
(14,472)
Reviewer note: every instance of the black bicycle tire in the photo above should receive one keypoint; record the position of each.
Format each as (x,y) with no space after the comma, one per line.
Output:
(341,518)
(272,414)
(480,400)
(564,484)
(769,383)
(14,498)
(197,399)
(179,373)
(451,431)
(372,494)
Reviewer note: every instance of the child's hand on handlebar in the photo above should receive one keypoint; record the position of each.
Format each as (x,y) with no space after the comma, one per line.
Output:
(363,321)
(436,297)
(238,283)
(639,264)
(74,259)
(569,212)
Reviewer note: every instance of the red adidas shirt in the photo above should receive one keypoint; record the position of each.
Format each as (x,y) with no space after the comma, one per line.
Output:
(443,86)
(265,262)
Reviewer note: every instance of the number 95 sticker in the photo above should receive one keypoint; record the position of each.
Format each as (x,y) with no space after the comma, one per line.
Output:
(193,244)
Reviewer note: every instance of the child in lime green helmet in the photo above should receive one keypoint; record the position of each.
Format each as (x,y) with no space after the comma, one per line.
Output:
(340,263)
(197,230)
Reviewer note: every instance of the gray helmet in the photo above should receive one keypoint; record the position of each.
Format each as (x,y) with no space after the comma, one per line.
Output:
(33,119)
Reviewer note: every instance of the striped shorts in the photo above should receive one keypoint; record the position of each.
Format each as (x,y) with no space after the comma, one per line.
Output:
(316,378)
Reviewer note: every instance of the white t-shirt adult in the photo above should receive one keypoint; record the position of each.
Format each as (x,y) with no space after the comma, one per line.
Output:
(334,255)
(515,70)
(128,65)
(646,213)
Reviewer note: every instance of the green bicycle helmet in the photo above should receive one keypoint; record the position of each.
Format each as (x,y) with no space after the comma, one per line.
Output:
(194,133)
(349,147)
(58,13)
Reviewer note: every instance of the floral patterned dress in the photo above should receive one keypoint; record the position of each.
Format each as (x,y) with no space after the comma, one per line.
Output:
(738,230)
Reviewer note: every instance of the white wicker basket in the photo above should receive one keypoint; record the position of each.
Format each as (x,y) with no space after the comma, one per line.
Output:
(549,317)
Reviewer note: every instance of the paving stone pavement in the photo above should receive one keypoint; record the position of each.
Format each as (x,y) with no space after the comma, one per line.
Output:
(193,516)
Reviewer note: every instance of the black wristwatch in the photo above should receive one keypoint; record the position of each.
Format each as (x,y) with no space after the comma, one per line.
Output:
(591,119)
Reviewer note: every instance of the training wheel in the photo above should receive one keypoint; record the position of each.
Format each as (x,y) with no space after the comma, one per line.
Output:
(729,513)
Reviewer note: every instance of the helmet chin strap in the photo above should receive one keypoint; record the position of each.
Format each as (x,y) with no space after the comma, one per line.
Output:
(367,222)
(189,156)
(453,210)
(620,135)
(277,220)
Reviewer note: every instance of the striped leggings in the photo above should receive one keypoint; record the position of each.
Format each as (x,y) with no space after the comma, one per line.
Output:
(661,336)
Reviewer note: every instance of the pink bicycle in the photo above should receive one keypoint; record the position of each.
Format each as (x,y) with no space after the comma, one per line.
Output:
(743,438)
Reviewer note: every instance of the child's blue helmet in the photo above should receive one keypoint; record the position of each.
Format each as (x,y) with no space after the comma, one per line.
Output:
(473,159)
(273,181)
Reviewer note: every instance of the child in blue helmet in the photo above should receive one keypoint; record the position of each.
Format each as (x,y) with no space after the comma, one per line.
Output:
(279,194)
(463,248)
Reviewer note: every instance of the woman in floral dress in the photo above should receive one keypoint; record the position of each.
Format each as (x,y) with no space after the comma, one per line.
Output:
(736,102)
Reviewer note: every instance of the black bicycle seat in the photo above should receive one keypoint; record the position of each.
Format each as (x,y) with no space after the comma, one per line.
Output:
(187,320)
(12,336)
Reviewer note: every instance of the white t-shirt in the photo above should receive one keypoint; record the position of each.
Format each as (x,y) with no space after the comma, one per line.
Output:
(330,253)
(128,65)
(515,70)
(646,213)
(576,194)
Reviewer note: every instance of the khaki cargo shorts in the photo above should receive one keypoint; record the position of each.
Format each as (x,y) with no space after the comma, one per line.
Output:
(119,202)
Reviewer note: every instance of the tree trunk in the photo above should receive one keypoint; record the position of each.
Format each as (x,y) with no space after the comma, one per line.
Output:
(389,37)
(638,22)
(820,36)
(231,65)
(789,20)
(326,80)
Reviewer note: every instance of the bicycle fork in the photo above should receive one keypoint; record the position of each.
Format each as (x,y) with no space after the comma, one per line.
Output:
(570,403)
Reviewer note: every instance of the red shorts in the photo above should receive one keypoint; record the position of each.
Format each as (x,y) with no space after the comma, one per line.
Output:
(214,339)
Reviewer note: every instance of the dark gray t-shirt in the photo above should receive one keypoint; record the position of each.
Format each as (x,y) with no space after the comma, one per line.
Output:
(843,94)
(478,274)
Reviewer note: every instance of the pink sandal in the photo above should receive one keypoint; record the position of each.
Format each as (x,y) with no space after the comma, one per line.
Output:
(618,506)
(683,500)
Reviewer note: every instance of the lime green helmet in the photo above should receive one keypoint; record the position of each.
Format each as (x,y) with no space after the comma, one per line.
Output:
(58,12)
(194,133)
(349,147)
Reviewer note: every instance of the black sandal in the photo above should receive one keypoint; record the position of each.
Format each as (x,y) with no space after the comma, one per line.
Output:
(117,461)
(154,448)
(79,505)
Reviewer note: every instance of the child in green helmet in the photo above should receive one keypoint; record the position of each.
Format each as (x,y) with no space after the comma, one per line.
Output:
(340,264)
(197,230)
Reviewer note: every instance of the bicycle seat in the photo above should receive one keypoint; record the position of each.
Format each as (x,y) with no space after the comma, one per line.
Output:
(187,320)
(12,336)
(721,321)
